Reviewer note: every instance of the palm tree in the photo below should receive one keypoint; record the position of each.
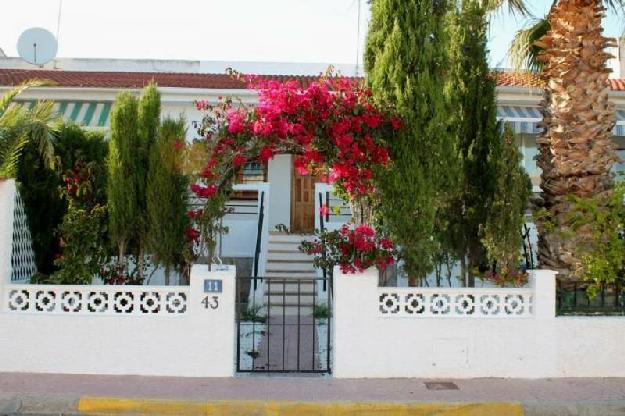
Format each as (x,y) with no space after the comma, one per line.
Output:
(19,125)
(575,150)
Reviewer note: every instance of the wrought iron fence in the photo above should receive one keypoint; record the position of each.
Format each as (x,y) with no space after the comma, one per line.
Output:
(573,298)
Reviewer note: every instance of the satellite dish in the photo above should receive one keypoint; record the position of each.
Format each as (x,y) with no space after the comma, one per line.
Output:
(37,46)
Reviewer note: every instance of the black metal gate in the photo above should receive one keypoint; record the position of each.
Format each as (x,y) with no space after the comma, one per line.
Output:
(283,325)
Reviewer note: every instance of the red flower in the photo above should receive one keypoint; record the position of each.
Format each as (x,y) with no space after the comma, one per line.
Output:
(192,234)
(266,153)
(396,123)
(239,160)
(324,210)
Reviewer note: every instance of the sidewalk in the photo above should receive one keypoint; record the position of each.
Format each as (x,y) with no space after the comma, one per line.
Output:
(79,394)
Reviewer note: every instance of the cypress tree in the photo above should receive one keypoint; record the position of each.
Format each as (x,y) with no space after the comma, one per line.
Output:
(167,197)
(472,93)
(123,209)
(502,231)
(148,124)
(406,61)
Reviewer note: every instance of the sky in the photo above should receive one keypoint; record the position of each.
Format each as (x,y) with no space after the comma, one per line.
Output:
(325,31)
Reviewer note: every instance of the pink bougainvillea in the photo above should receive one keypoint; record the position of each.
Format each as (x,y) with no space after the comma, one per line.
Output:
(353,249)
(332,126)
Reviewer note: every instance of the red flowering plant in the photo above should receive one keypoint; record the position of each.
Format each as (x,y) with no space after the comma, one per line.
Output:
(332,126)
(354,249)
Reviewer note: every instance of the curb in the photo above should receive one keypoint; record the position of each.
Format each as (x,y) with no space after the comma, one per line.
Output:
(114,406)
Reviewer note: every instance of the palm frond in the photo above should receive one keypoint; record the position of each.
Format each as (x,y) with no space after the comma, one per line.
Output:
(618,6)
(10,152)
(517,7)
(523,51)
(40,130)
(8,97)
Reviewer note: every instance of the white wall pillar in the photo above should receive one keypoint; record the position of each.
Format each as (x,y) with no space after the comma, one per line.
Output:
(544,284)
(7,207)
(354,308)
(215,315)
(279,177)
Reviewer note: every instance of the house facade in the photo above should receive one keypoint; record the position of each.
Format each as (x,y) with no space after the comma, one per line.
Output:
(290,200)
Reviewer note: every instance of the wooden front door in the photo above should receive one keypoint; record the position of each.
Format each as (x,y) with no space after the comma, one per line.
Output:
(302,203)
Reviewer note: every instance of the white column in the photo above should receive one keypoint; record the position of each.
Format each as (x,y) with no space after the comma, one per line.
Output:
(354,309)
(7,207)
(214,317)
(279,177)
(544,284)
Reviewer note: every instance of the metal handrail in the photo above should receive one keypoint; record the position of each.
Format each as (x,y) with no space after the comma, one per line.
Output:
(261,217)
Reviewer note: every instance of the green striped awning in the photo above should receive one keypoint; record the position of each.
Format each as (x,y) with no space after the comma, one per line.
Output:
(522,119)
(526,119)
(84,113)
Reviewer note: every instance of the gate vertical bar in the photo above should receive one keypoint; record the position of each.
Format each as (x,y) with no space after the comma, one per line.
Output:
(298,319)
(283,322)
(238,318)
(268,334)
(314,325)
(329,326)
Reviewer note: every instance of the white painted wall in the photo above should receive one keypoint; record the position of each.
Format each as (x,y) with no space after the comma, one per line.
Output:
(7,207)
(198,343)
(279,176)
(368,344)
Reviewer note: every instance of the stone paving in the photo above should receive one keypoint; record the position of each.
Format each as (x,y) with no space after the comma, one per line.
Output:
(290,343)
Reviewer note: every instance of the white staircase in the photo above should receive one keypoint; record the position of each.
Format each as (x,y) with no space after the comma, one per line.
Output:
(290,274)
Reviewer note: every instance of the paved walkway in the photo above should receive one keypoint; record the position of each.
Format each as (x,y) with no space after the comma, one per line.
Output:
(598,396)
(283,348)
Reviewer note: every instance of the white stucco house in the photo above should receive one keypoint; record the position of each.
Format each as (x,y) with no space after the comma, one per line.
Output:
(84,91)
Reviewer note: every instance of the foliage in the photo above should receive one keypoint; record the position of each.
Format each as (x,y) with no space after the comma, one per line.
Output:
(602,255)
(123,209)
(523,50)
(148,125)
(407,64)
(321,311)
(83,231)
(472,94)
(331,125)
(526,48)
(83,245)
(353,249)
(19,126)
(253,314)
(42,188)
(167,197)
(501,233)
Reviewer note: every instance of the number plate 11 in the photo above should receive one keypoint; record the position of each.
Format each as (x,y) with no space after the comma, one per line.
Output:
(213,286)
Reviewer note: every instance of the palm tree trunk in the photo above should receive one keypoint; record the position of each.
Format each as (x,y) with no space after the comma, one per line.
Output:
(575,150)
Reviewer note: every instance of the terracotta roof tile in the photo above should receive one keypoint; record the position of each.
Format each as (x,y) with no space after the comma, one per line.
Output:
(10,77)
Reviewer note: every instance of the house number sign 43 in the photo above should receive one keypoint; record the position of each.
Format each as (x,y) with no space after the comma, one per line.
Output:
(212,286)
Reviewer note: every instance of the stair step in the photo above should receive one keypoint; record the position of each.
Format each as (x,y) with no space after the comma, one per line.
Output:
(290,268)
(298,271)
(290,310)
(291,300)
(290,238)
(307,260)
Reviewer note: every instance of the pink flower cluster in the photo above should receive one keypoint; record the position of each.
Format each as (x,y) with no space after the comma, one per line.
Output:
(332,125)
(362,248)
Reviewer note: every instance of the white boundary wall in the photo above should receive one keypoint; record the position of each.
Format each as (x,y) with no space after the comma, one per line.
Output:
(426,332)
(7,207)
(138,330)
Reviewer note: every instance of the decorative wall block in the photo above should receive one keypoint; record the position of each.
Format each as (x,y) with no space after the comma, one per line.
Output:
(455,302)
(97,300)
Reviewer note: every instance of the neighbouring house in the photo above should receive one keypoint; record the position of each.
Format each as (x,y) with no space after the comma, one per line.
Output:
(86,96)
